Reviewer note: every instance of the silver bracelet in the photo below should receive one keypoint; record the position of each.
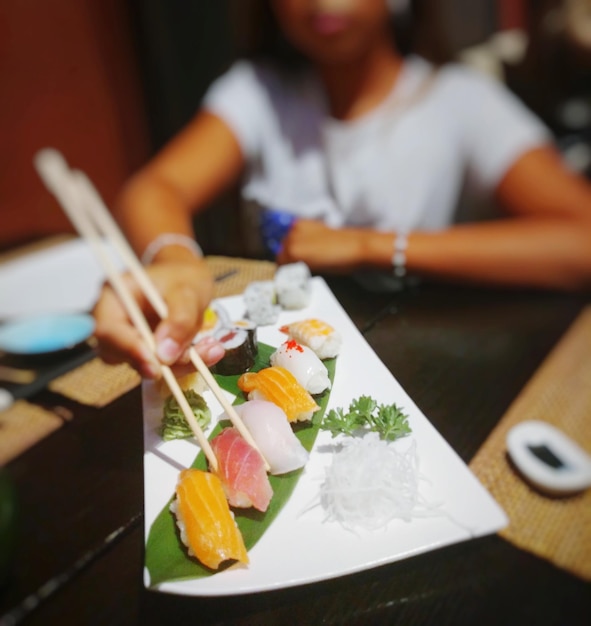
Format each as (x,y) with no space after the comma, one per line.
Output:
(170,239)
(399,256)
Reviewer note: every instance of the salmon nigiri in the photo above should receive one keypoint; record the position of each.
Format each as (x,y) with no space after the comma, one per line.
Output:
(278,385)
(205,521)
(242,471)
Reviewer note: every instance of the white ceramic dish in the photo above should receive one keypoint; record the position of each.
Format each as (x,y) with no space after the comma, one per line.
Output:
(300,547)
(548,458)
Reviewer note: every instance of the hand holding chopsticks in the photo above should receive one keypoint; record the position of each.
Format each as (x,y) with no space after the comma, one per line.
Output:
(94,223)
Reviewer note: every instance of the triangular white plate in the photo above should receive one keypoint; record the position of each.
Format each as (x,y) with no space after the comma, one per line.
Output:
(300,547)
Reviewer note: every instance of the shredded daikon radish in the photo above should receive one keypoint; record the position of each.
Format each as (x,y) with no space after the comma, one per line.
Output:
(371,482)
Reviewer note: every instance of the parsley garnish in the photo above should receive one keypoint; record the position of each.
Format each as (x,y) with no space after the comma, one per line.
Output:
(365,413)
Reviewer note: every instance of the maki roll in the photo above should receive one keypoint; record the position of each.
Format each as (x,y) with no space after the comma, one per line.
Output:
(261,302)
(240,353)
(251,330)
(293,286)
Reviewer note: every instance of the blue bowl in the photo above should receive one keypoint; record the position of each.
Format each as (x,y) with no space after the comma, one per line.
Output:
(45,334)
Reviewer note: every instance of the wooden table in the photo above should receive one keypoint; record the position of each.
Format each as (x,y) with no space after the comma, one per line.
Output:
(461,354)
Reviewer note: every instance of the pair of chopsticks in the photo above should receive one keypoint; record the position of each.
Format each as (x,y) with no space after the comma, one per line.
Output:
(93,221)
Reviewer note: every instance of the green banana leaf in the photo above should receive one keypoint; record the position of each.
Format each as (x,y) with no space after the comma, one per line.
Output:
(166,558)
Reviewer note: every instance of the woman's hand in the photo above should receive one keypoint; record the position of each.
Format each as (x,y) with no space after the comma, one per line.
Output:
(187,288)
(323,248)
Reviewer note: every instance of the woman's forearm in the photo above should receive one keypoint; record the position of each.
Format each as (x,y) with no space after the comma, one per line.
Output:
(193,169)
(149,207)
(520,252)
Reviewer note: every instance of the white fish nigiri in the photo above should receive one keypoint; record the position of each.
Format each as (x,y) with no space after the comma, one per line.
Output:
(304,364)
(316,334)
(270,429)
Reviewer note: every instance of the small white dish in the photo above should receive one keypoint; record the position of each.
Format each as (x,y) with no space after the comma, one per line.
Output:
(549,459)
(45,334)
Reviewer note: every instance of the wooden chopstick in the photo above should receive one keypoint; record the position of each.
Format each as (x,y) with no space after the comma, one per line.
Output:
(54,173)
(104,226)
(100,214)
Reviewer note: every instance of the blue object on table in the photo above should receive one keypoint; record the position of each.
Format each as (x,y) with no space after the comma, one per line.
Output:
(45,334)
(274,226)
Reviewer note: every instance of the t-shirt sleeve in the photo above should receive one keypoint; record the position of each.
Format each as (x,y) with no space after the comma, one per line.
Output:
(497,128)
(237,100)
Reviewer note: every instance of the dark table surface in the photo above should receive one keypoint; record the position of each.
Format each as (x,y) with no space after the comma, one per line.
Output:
(462,354)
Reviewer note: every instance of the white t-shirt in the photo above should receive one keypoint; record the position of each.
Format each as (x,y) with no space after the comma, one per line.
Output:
(402,166)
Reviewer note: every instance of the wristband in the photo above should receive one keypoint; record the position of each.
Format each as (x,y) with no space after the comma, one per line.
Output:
(170,239)
(399,256)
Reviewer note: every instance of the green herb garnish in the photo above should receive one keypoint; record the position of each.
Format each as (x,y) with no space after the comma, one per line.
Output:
(174,423)
(365,413)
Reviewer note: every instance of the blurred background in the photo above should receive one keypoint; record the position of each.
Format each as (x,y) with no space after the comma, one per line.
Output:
(108,82)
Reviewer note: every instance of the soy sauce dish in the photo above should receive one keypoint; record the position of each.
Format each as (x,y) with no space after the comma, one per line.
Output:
(45,335)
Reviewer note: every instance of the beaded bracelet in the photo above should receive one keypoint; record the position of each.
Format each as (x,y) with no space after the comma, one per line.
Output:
(170,239)
(399,256)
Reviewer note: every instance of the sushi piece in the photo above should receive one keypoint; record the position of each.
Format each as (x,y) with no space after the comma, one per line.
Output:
(205,521)
(192,380)
(268,425)
(317,335)
(293,286)
(304,364)
(242,471)
(261,302)
(215,317)
(251,330)
(278,385)
(239,356)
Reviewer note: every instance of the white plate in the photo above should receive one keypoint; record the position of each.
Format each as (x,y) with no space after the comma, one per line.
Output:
(63,278)
(300,547)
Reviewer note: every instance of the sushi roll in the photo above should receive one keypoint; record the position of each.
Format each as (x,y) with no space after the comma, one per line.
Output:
(242,471)
(205,521)
(293,286)
(215,317)
(239,356)
(251,330)
(260,301)
(278,385)
(269,427)
(322,338)
(304,364)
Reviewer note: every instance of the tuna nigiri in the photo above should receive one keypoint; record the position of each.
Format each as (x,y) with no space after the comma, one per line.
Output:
(205,521)
(241,470)
(317,335)
(278,385)
(268,425)
(304,364)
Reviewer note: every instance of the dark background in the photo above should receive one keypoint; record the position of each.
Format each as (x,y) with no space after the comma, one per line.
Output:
(108,82)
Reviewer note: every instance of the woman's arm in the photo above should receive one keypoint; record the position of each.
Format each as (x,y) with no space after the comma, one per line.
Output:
(197,165)
(545,240)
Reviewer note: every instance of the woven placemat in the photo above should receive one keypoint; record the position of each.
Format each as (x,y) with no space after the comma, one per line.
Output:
(556,529)
(96,383)
(23,425)
(234,274)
